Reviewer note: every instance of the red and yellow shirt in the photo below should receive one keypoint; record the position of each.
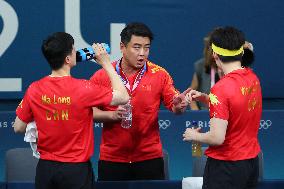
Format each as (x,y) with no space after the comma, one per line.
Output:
(62,110)
(141,141)
(237,98)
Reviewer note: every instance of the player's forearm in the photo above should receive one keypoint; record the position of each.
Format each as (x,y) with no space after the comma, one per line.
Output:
(19,126)
(121,95)
(209,138)
(102,116)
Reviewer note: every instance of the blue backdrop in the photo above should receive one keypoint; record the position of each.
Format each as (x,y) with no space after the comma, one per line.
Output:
(179,28)
(171,128)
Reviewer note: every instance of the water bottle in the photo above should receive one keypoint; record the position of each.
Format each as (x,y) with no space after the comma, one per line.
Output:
(126,122)
(88,53)
(196,146)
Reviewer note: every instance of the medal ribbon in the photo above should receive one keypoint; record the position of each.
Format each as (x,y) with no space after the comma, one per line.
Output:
(124,78)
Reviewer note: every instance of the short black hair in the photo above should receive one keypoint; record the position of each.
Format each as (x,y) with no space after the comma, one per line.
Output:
(248,58)
(228,38)
(56,47)
(137,29)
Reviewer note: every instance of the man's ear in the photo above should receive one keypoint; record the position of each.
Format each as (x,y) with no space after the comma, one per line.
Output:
(68,59)
(122,46)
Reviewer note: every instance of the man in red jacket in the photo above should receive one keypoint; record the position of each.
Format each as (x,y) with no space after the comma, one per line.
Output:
(135,153)
(235,106)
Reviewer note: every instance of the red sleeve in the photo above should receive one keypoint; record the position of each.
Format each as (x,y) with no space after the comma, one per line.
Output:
(218,102)
(100,78)
(24,111)
(95,95)
(169,91)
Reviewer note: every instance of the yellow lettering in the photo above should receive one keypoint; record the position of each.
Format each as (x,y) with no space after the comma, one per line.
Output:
(55,115)
(57,100)
(47,115)
(256,87)
(45,99)
(253,104)
(54,99)
(64,115)
(243,90)
(68,100)
(250,90)
(64,100)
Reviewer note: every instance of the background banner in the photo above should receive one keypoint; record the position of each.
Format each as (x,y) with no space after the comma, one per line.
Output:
(179,28)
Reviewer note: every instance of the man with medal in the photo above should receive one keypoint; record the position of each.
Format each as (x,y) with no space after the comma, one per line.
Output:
(134,151)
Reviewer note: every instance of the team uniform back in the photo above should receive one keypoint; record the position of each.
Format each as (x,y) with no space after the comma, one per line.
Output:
(62,110)
(234,164)
(237,98)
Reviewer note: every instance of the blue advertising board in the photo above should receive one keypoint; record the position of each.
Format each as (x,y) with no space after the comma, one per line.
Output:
(171,129)
(179,28)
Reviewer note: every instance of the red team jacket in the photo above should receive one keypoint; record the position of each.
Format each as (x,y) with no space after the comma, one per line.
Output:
(237,98)
(141,141)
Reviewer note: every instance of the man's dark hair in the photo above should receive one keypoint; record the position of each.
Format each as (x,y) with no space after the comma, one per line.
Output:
(56,47)
(137,29)
(248,58)
(228,38)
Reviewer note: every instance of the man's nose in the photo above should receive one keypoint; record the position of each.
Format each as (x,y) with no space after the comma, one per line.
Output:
(142,52)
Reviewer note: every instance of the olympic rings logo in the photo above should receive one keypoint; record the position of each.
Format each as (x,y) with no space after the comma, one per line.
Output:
(164,124)
(265,124)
